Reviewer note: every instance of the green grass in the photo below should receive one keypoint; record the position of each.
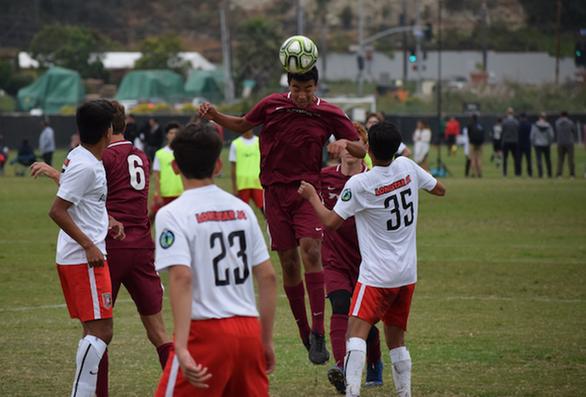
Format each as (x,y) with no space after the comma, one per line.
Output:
(499,310)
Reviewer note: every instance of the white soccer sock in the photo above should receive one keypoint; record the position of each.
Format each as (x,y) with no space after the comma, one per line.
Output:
(354,364)
(401,360)
(89,353)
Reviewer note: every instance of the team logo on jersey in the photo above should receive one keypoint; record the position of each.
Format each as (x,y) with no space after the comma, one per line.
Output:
(346,195)
(166,239)
(107,300)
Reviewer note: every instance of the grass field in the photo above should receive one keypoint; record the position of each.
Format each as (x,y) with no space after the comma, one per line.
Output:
(500,307)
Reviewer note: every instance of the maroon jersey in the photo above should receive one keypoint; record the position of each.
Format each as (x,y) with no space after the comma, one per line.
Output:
(292,138)
(339,247)
(127,173)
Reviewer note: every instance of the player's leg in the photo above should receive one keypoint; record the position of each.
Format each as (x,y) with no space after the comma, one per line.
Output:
(374,363)
(157,335)
(340,302)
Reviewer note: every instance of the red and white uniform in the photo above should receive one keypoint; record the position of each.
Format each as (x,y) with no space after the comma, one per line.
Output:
(218,237)
(87,290)
(384,202)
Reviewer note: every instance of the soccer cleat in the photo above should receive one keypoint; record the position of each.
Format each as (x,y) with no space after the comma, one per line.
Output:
(318,353)
(374,374)
(336,378)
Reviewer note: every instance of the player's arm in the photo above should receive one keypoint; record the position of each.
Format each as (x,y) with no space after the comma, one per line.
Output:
(235,123)
(438,190)
(59,214)
(40,168)
(180,296)
(116,227)
(355,148)
(264,274)
(328,218)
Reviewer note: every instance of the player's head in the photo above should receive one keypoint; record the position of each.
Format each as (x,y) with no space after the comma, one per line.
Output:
(564,113)
(383,141)
(94,121)
(119,120)
(303,86)
(374,118)
(171,130)
(197,148)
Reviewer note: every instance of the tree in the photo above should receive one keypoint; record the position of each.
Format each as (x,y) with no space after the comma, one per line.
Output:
(257,51)
(72,47)
(160,52)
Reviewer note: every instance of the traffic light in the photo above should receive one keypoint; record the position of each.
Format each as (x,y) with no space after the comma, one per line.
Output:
(412,55)
(580,53)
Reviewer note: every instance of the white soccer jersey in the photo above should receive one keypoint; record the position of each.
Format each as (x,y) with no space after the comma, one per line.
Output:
(384,202)
(217,235)
(83,183)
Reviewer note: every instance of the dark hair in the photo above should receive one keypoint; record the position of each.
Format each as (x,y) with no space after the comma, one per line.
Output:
(377,115)
(384,140)
(93,119)
(313,74)
(564,113)
(196,147)
(119,120)
(173,125)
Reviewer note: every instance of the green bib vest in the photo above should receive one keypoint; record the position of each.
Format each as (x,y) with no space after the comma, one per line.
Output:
(170,183)
(247,164)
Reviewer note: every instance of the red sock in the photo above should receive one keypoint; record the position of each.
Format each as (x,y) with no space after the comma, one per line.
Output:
(373,346)
(317,298)
(296,297)
(338,327)
(163,352)
(102,385)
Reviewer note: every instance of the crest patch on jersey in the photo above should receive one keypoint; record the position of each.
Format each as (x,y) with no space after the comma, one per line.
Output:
(346,195)
(166,239)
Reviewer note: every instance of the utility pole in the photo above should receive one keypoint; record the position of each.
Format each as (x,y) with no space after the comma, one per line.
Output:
(484,22)
(402,20)
(418,35)
(300,16)
(360,48)
(226,55)
(557,44)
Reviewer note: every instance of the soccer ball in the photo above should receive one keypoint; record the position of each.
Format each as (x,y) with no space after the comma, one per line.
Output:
(298,54)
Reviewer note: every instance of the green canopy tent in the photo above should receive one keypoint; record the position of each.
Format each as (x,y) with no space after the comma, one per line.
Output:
(208,84)
(56,88)
(144,85)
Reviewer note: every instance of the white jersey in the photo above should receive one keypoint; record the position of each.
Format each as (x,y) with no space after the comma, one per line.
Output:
(384,202)
(83,183)
(217,235)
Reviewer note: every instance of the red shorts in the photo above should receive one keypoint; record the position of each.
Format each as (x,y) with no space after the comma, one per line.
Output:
(156,206)
(135,268)
(256,195)
(232,351)
(337,279)
(87,291)
(289,217)
(391,305)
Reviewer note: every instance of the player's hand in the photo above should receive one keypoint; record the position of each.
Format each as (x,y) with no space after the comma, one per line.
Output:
(269,351)
(116,229)
(306,190)
(196,374)
(337,147)
(40,168)
(94,256)
(208,111)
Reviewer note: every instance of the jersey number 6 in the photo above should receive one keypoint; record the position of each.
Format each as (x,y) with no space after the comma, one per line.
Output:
(240,275)
(136,172)
(394,224)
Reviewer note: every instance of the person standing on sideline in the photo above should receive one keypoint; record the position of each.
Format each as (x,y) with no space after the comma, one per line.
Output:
(153,138)
(451,132)
(47,142)
(384,203)
(510,140)
(566,136)
(296,125)
(421,144)
(211,244)
(244,157)
(525,144)
(541,139)
(497,145)
(476,140)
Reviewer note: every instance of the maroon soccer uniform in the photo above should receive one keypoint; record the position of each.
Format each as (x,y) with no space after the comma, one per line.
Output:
(131,260)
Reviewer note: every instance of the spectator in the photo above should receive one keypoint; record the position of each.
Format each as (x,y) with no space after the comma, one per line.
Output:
(475,133)
(378,117)
(3,154)
(153,138)
(466,146)
(25,157)
(47,142)
(131,131)
(497,153)
(541,139)
(566,131)
(421,143)
(510,140)
(451,132)
(525,143)
(244,158)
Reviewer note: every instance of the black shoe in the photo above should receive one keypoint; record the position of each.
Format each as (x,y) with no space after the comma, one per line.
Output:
(318,353)
(336,378)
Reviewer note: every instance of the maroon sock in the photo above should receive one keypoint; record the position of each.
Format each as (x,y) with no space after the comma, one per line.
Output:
(296,297)
(373,346)
(102,385)
(317,298)
(163,352)
(338,327)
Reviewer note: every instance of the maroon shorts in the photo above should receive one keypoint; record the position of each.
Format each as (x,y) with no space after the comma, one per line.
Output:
(338,279)
(391,305)
(135,268)
(289,217)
